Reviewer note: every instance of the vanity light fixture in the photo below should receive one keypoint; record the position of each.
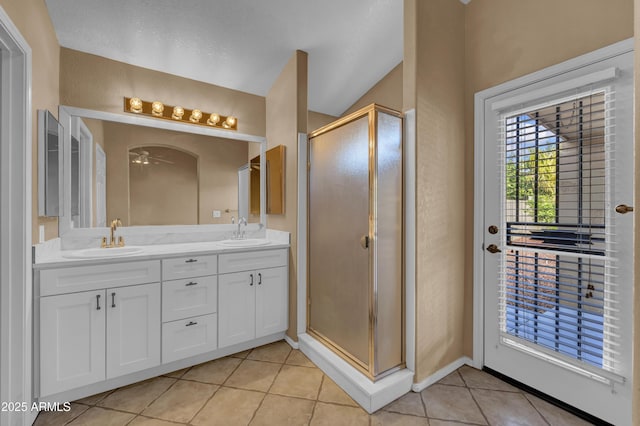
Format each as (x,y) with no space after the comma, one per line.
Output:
(136,105)
(157,109)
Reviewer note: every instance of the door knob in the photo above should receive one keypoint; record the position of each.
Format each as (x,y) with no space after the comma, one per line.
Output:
(364,242)
(492,248)
(623,208)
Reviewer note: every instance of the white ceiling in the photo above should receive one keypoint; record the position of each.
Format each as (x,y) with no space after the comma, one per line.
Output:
(243,44)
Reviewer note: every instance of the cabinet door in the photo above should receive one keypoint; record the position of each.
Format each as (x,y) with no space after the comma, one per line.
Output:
(72,341)
(133,328)
(272,302)
(236,310)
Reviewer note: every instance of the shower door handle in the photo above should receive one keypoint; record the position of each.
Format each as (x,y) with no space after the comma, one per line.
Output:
(364,242)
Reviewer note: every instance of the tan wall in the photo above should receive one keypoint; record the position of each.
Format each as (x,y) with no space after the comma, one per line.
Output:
(219,160)
(286,116)
(500,48)
(31,17)
(315,120)
(93,82)
(438,77)
(386,92)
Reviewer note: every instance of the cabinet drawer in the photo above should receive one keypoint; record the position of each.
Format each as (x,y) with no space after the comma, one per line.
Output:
(189,297)
(187,267)
(185,338)
(81,278)
(236,262)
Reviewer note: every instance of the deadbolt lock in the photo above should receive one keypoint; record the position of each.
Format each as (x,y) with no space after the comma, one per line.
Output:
(493,229)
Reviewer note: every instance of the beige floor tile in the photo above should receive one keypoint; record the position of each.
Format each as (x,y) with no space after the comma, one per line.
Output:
(242,354)
(282,410)
(383,418)
(135,398)
(253,375)
(556,416)
(181,402)
(451,403)
(479,379)
(507,408)
(334,415)
(298,358)
(301,382)
(55,418)
(177,374)
(94,399)
(216,371)
(99,416)
(148,421)
(229,407)
(331,392)
(410,403)
(435,422)
(273,352)
(452,379)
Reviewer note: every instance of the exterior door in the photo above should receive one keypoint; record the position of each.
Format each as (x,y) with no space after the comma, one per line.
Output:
(558,170)
(133,328)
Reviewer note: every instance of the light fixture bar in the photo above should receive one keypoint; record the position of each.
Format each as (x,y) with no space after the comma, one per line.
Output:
(157,109)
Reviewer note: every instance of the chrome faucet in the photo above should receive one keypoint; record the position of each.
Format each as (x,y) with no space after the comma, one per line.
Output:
(241,220)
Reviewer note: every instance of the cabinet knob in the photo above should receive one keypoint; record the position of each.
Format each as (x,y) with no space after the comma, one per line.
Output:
(251,279)
(190,260)
(113,300)
(190,323)
(259,278)
(97,302)
(190,283)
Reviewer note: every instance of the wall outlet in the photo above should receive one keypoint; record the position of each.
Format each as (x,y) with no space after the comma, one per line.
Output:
(216,213)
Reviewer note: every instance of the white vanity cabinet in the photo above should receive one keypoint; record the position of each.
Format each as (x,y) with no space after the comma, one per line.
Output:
(189,307)
(253,290)
(89,336)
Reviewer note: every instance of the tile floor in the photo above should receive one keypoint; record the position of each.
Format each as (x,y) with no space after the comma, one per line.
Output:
(275,385)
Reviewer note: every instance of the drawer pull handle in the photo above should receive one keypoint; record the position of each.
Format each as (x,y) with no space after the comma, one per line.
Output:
(190,283)
(190,260)
(113,300)
(97,302)
(259,278)
(190,323)
(251,282)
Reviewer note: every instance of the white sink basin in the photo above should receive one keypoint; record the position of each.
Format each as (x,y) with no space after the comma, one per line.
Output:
(246,242)
(99,253)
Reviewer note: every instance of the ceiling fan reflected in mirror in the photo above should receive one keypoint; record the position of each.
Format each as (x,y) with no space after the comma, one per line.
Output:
(144,157)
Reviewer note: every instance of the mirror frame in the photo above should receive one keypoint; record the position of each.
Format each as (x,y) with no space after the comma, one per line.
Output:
(65,117)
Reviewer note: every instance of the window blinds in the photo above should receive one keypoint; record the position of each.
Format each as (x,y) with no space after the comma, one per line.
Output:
(556,285)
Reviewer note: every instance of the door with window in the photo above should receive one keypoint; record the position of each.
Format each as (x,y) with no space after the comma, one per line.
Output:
(558,254)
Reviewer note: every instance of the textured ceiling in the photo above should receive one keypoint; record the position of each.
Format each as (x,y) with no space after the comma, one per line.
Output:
(243,44)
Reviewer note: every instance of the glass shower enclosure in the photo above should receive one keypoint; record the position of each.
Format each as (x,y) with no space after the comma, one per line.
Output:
(355,239)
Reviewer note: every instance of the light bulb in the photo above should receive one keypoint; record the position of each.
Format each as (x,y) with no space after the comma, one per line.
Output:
(213,119)
(178,112)
(135,104)
(231,121)
(157,108)
(196,115)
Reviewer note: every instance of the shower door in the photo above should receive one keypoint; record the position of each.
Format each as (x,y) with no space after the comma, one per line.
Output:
(355,239)
(338,236)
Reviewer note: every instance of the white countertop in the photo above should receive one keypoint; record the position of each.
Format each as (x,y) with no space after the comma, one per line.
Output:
(56,258)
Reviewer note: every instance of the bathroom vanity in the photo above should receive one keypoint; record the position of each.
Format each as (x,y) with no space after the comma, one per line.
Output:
(101,323)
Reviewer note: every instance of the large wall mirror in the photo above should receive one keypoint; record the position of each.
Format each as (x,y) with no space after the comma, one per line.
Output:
(151,172)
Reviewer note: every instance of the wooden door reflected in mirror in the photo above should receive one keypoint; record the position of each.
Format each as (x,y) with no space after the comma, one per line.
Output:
(274,163)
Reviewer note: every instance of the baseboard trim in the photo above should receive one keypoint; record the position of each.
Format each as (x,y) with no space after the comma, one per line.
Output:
(441,374)
(291,342)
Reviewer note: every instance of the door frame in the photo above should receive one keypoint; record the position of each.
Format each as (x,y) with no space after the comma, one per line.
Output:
(480,98)
(15,222)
